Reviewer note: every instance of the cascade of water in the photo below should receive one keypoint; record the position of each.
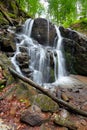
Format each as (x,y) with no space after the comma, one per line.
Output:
(27,31)
(28,27)
(61,60)
(13,59)
(39,63)
(40,55)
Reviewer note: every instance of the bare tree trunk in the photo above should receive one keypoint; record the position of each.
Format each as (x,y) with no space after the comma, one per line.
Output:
(59,101)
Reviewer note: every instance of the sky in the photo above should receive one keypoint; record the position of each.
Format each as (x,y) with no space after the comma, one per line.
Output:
(45,4)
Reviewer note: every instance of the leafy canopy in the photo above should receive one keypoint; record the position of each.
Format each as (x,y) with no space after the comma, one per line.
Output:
(58,11)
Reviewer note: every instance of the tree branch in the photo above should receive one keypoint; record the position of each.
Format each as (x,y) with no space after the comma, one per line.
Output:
(59,101)
(2,10)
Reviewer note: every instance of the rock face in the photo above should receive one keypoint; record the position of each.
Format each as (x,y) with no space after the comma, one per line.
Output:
(75,44)
(43,31)
(7,41)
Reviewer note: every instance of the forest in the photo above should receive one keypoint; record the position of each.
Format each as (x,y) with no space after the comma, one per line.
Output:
(43,65)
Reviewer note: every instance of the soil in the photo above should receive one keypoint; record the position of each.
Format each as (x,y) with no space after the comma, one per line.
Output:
(11,109)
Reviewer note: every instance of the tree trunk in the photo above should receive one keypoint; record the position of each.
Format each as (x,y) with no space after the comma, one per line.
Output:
(59,101)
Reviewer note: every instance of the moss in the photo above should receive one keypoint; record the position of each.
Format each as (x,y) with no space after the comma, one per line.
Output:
(52,78)
(12,15)
(3,21)
(14,7)
(80,25)
(45,103)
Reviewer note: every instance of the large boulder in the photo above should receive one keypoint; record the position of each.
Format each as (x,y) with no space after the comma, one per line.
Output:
(7,41)
(43,31)
(75,45)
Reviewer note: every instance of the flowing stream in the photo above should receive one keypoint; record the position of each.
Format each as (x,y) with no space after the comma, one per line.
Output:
(39,63)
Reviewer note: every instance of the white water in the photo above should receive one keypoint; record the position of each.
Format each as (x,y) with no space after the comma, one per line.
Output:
(40,56)
(61,60)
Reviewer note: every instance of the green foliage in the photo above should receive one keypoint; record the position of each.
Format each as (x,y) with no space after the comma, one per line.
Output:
(80,25)
(32,7)
(59,11)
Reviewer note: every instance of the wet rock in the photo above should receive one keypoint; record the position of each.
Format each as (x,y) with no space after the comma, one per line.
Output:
(75,46)
(27,72)
(33,116)
(19,28)
(21,57)
(24,65)
(40,32)
(23,49)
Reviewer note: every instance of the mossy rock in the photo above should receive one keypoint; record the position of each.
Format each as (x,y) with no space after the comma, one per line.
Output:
(24,91)
(45,103)
(5,63)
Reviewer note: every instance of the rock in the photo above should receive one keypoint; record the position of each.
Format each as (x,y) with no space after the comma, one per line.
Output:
(64,97)
(23,49)
(24,65)
(64,121)
(24,91)
(21,57)
(27,72)
(5,63)
(19,28)
(64,114)
(84,106)
(7,42)
(75,46)
(40,32)
(45,103)
(33,116)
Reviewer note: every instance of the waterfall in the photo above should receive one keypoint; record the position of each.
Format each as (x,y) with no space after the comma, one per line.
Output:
(28,27)
(40,55)
(61,60)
